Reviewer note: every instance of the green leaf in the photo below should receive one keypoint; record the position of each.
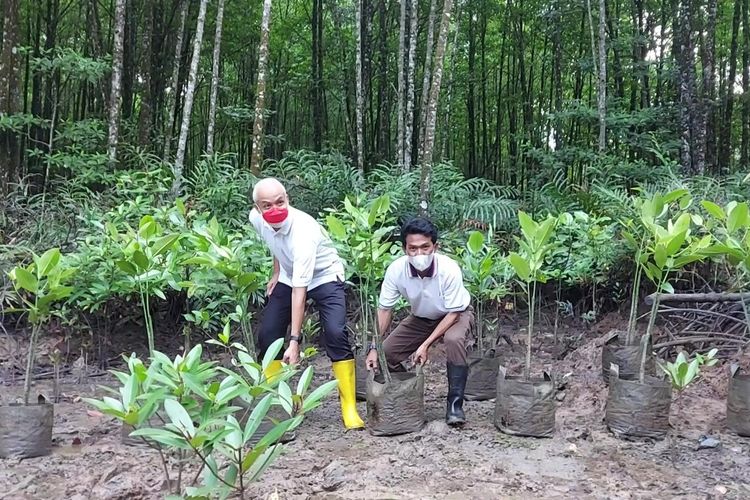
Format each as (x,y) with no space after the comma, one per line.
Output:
(179,416)
(318,394)
(140,260)
(47,262)
(165,243)
(285,397)
(520,266)
(336,227)
(304,381)
(738,217)
(162,436)
(257,415)
(127,267)
(475,242)
(24,279)
(713,209)
(528,226)
(660,256)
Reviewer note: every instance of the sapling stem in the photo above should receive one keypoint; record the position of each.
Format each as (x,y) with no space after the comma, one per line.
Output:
(30,363)
(647,338)
(630,339)
(532,301)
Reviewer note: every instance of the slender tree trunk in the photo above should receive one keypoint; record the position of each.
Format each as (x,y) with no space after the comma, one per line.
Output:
(187,107)
(725,129)
(432,105)
(686,85)
(409,118)
(382,121)
(317,74)
(260,94)
(427,77)
(557,43)
(146,109)
(704,134)
(360,98)
(449,97)
(745,141)
(471,96)
(602,94)
(401,84)
(10,95)
(114,95)
(174,82)
(215,79)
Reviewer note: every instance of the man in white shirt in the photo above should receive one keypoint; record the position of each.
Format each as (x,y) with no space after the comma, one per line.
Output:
(305,263)
(432,283)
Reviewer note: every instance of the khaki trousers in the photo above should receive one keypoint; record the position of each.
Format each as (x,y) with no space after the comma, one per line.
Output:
(412,331)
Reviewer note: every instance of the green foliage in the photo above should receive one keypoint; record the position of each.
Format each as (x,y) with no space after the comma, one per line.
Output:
(682,372)
(534,245)
(192,403)
(361,235)
(487,276)
(39,288)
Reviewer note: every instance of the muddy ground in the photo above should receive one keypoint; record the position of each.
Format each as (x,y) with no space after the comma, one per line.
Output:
(583,460)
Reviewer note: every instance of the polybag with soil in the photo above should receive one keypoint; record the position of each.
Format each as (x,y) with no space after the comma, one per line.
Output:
(481,384)
(525,407)
(395,407)
(638,410)
(26,430)
(738,402)
(626,357)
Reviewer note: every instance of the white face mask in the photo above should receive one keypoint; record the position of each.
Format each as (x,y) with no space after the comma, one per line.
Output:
(421,262)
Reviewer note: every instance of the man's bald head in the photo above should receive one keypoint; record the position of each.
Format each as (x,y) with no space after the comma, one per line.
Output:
(268,188)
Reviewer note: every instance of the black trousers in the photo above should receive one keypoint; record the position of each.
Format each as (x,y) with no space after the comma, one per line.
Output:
(330,300)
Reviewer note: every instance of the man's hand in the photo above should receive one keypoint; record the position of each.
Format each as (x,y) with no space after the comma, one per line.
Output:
(291,355)
(271,284)
(420,355)
(372,360)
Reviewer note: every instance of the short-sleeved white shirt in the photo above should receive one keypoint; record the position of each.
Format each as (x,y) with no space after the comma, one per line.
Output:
(306,256)
(431,297)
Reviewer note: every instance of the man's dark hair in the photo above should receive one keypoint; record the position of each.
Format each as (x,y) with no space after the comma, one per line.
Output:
(419,225)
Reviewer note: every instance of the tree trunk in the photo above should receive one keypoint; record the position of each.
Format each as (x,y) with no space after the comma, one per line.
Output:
(114,95)
(382,122)
(686,82)
(360,108)
(745,141)
(429,139)
(187,107)
(215,79)
(146,106)
(704,134)
(602,94)
(427,77)
(260,94)
(725,129)
(10,96)
(317,74)
(401,85)
(470,97)
(173,90)
(409,118)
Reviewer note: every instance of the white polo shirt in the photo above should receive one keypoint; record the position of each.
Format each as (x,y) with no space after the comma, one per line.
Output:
(430,297)
(306,255)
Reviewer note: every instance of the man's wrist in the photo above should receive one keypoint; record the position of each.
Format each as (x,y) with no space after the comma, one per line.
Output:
(295,338)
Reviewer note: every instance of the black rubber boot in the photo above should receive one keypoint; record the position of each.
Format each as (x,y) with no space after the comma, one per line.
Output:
(457,374)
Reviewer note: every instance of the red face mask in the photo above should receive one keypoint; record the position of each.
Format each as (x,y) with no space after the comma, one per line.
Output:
(275,215)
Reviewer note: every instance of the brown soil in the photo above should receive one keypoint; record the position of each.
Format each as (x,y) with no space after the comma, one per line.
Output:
(583,460)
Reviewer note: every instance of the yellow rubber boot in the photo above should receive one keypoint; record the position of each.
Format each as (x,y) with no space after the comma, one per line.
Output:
(273,369)
(344,373)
